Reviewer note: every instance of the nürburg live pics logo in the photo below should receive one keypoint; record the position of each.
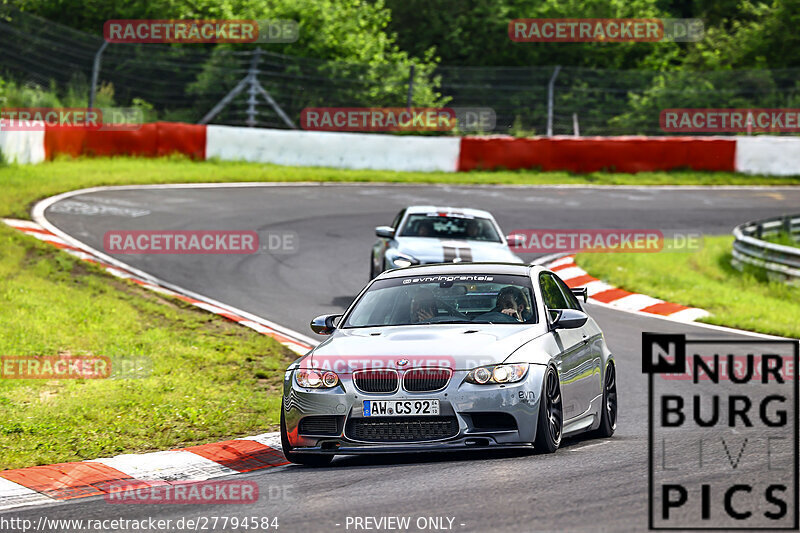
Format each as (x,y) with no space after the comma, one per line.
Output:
(722,435)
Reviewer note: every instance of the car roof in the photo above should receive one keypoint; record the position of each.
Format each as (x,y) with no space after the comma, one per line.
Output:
(416,209)
(463,268)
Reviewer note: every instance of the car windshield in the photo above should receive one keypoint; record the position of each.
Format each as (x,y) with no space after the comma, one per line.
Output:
(445,299)
(449,226)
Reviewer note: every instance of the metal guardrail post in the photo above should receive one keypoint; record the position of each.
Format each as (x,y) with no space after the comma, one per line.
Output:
(410,98)
(96,73)
(550,89)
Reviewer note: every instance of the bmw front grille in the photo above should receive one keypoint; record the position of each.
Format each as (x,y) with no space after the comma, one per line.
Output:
(426,379)
(382,381)
(387,381)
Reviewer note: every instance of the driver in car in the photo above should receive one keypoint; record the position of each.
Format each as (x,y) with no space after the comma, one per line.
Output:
(425,229)
(423,306)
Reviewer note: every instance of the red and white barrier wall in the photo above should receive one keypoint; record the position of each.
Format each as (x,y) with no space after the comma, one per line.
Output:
(777,156)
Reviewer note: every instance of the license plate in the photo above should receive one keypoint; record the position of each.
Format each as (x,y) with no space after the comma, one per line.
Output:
(401,407)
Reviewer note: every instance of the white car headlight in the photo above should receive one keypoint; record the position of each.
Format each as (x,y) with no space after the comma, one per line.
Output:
(402,262)
(308,377)
(399,260)
(494,374)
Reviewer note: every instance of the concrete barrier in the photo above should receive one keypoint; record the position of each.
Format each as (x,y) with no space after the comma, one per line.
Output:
(333,149)
(773,156)
(22,147)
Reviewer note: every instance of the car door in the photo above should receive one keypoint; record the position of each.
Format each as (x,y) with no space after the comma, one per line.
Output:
(575,360)
(591,363)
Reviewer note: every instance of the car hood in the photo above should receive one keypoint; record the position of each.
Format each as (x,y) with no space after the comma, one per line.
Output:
(462,346)
(431,250)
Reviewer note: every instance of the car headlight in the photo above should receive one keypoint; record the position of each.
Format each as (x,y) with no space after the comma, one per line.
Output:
(402,260)
(307,377)
(494,374)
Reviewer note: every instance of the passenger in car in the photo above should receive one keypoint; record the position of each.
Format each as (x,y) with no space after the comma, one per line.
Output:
(511,302)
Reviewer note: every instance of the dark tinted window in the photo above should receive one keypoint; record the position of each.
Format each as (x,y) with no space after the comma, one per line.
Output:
(551,293)
(572,300)
(449,226)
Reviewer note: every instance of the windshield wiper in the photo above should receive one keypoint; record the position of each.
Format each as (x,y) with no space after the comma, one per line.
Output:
(444,322)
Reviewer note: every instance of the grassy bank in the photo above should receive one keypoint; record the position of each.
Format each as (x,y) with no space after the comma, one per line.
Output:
(203,378)
(707,280)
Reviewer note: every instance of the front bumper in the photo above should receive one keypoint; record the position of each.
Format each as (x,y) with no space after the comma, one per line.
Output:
(471,405)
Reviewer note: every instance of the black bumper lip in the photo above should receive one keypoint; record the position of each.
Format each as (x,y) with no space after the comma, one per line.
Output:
(459,445)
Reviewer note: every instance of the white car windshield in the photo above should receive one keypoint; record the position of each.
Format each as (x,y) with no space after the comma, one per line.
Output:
(449,226)
(445,299)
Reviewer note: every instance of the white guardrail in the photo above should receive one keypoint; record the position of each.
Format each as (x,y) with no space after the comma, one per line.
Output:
(781,262)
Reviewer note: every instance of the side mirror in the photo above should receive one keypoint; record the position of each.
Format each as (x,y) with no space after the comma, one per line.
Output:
(385,232)
(515,240)
(582,292)
(569,319)
(324,324)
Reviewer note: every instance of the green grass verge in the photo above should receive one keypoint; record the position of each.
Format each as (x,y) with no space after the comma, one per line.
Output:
(705,279)
(21,185)
(211,379)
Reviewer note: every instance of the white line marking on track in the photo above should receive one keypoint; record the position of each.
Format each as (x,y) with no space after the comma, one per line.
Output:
(593,445)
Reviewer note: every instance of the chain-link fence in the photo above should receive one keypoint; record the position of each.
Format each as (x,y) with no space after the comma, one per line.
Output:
(188,82)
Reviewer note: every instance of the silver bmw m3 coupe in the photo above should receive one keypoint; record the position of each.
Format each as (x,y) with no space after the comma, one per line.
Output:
(426,234)
(455,356)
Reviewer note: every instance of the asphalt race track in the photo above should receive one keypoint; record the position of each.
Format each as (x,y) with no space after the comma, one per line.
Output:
(588,485)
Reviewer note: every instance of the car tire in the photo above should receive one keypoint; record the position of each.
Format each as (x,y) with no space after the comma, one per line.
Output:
(608,416)
(300,458)
(550,421)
